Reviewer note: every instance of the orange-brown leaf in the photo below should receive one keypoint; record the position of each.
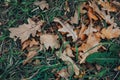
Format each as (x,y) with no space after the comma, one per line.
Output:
(30,55)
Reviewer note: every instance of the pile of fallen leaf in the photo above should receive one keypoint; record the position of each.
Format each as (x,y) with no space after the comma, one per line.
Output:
(87,36)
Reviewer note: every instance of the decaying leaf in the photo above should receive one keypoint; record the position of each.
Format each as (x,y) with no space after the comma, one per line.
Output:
(69,52)
(67,28)
(107,6)
(69,62)
(75,18)
(103,14)
(63,73)
(30,55)
(42,4)
(49,40)
(89,47)
(111,32)
(23,31)
(91,14)
(29,43)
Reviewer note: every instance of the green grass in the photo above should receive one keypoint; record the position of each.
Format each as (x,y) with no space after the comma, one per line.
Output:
(11,57)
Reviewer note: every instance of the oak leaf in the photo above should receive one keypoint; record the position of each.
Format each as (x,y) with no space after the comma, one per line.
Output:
(107,6)
(71,64)
(29,43)
(63,73)
(30,55)
(23,31)
(49,40)
(75,18)
(66,28)
(42,4)
(89,47)
(111,32)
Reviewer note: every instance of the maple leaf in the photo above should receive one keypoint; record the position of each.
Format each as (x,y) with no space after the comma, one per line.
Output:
(42,4)
(49,40)
(67,28)
(23,31)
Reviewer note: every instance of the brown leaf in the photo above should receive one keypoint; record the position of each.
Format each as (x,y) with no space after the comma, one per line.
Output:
(63,73)
(29,43)
(25,44)
(111,32)
(74,19)
(69,52)
(89,47)
(69,62)
(107,6)
(91,14)
(23,31)
(30,55)
(67,28)
(0,23)
(42,4)
(103,14)
(49,40)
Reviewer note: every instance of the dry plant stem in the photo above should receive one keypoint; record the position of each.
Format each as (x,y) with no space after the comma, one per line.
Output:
(1,47)
(116,75)
(33,75)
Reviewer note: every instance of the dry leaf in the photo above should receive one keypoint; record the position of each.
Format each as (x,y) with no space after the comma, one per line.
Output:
(42,4)
(107,6)
(69,52)
(91,14)
(74,19)
(81,6)
(81,34)
(67,28)
(49,40)
(103,14)
(30,55)
(67,6)
(23,31)
(90,29)
(89,47)
(63,73)
(25,44)
(111,32)
(117,68)
(29,43)
(0,23)
(69,62)
(36,62)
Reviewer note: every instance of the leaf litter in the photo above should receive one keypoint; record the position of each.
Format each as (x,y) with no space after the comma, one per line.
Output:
(90,35)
